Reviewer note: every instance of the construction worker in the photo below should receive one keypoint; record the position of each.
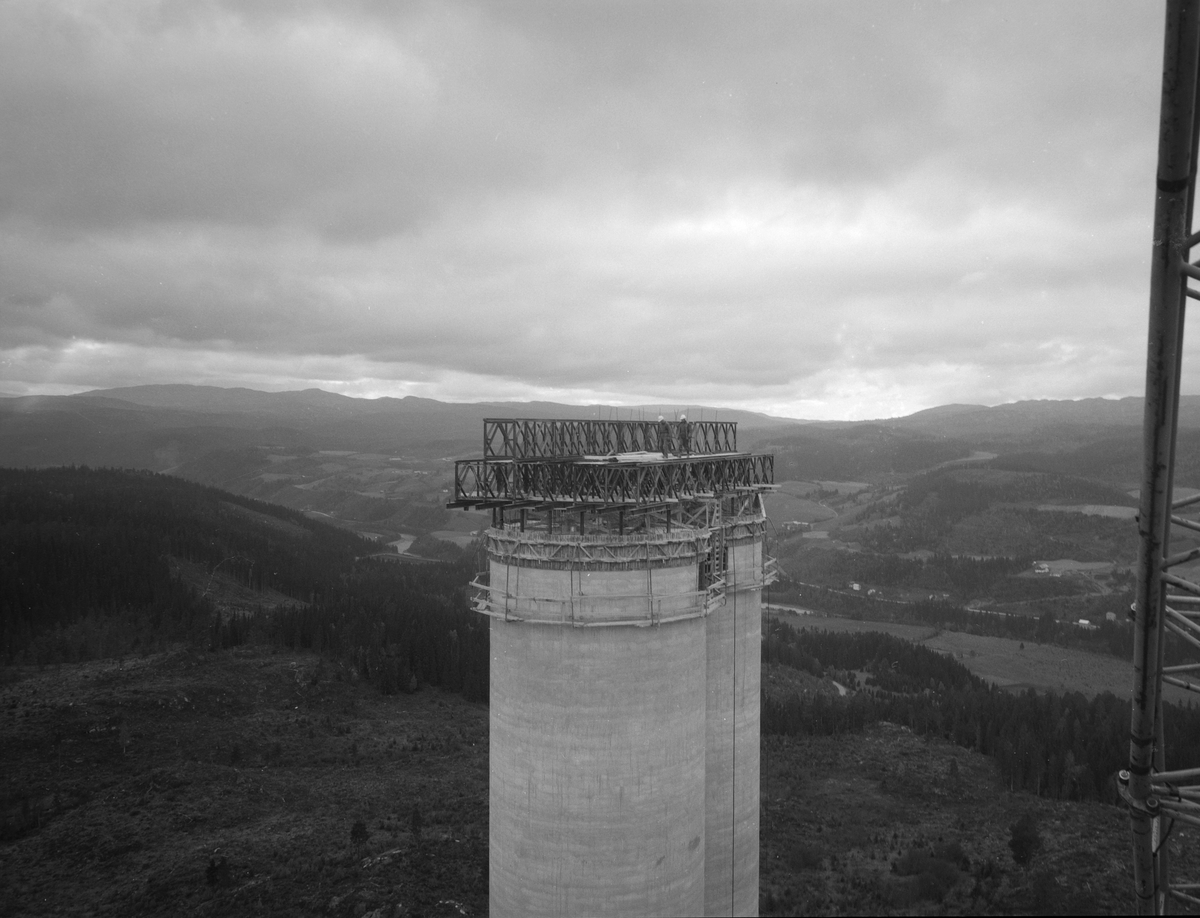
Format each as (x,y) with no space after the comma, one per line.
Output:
(685,436)
(664,436)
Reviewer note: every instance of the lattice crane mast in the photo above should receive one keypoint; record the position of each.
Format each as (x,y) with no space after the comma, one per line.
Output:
(1167,606)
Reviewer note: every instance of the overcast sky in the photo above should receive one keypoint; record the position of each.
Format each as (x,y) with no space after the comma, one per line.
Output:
(819,210)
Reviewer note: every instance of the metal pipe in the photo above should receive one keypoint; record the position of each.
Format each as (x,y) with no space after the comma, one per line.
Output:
(1182,793)
(1182,557)
(1180,582)
(1175,629)
(1186,524)
(1181,774)
(1184,897)
(1182,683)
(1188,820)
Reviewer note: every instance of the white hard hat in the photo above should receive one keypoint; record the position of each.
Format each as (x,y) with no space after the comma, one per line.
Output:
(660,417)
(683,417)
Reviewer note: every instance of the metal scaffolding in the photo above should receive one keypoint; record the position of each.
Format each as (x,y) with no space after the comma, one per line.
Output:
(529,438)
(485,483)
(1166,604)
(582,495)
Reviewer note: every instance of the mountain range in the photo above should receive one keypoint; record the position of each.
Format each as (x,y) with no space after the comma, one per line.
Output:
(163,426)
(383,466)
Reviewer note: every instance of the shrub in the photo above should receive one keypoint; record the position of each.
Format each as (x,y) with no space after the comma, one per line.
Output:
(805,856)
(218,873)
(935,876)
(1025,840)
(901,892)
(416,822)
(952,852)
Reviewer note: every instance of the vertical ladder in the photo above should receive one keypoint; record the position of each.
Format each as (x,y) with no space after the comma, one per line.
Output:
(1165,605)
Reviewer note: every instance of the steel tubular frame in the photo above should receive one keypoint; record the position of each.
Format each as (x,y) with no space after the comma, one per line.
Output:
(480,481)
(529,438)
(1157,798)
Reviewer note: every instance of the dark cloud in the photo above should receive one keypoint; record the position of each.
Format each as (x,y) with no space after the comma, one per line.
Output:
(816,208)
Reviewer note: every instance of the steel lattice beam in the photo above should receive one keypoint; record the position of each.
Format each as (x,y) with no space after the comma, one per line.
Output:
(500,482)
(526,438)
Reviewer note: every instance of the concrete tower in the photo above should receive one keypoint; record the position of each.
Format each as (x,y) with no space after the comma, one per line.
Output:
(734,668)
(625,567)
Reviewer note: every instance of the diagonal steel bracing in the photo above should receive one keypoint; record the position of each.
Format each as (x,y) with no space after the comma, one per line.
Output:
(531,438)
(482,481)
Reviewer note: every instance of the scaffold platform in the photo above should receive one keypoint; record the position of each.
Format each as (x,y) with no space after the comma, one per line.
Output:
(548,464)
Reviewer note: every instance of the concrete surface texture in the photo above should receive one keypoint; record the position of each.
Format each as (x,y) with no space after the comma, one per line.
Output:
(644,595)
(597,769)
(624,759)
(733,679)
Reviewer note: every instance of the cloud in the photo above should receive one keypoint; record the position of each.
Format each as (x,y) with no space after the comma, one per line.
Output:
(825,209)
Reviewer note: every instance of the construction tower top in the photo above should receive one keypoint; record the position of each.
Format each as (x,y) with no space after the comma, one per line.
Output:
(595,465)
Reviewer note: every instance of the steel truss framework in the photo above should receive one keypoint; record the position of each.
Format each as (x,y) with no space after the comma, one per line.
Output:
(1167,606)
(555,504)
(480,482)
(527,438)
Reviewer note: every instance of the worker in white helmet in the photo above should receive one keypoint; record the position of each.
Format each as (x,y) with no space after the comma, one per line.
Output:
(664,436)
(685,436)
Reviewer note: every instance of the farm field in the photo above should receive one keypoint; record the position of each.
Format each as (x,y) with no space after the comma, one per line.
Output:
(1114,512)
(808,619)
(1003,661)
(791,503)
(461,539)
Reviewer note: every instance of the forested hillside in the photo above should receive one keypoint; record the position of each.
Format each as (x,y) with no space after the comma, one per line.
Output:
(1058,745)
(986,511)
(97,563)
(1021,542)
(858,452)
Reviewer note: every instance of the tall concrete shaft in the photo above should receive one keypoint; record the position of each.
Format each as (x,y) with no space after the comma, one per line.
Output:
(733,680)
(598,724)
